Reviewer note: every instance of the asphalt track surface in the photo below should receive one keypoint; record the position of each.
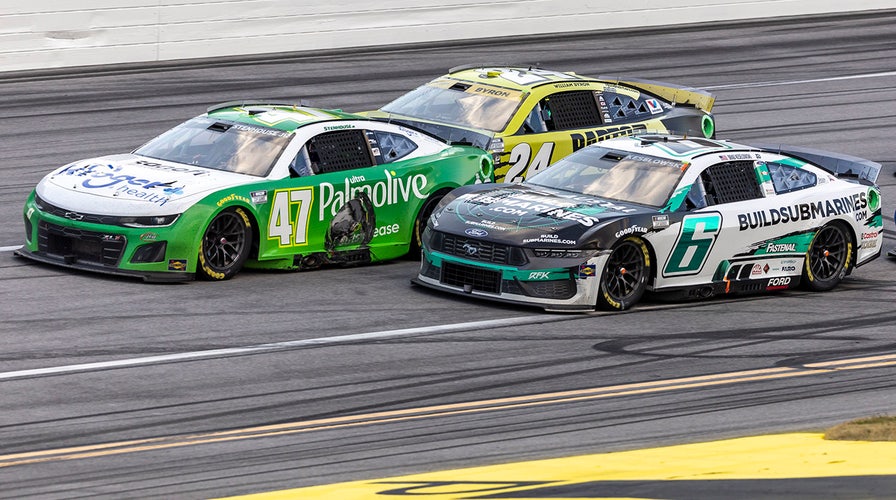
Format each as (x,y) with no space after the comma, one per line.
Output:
(111,388)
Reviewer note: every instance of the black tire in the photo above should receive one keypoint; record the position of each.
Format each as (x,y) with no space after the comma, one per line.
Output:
(225,245)
(420,224)
(623,279)
(828,258)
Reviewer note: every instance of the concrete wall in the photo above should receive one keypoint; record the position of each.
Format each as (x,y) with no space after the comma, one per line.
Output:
(39,34)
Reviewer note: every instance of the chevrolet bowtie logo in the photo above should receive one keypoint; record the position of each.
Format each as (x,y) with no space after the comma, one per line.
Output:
(74,216)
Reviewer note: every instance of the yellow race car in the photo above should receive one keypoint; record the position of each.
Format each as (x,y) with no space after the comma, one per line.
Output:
(528,118)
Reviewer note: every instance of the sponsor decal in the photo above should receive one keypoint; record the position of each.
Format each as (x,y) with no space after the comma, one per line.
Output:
(587,271)
(660,221)
(391,191)
(788,268)
(387,229)
(871,236)
(539,275)
(561,214)
(148,237)
(780,247)
(756,271)
(869,244)
(486,223)
(259,197)
(631,230)
(778,283)
(177,264)
(654,106)
(102,176)
(476,232)
(159,199)
(579,141)
(802,212)
(232,197)
(509,210)
(328,128)
(549,238)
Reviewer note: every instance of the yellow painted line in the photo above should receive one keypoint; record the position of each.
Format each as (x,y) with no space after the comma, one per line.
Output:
(508,403)
(886,359)
(784,456)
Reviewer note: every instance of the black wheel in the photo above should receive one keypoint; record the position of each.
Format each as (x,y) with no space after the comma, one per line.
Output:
(225,245)
(828,258)
(624,277)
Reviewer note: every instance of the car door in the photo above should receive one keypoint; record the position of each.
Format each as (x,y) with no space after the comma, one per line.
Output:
(327,204)
(712,234)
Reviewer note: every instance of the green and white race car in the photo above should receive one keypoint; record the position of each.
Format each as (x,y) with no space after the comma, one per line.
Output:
(261,185)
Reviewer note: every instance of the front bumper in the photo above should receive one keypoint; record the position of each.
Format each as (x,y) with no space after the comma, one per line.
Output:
(572,289)
(149,253)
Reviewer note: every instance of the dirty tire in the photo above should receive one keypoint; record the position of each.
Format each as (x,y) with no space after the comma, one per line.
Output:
(828,258)
(225,245)
(623,279)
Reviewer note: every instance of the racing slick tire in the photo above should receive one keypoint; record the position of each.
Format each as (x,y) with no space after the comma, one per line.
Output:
(421,221)
(828,258)
(623,279)
(225,245)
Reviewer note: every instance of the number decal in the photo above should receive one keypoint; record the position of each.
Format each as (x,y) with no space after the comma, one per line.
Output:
(697,237)
(291,230)
(519,159)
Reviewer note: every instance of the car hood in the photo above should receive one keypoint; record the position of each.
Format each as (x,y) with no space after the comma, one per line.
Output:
(534,216)
(129,184)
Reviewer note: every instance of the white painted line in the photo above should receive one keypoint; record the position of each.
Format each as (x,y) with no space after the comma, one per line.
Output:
(798,82)
(10,249)
(293,344)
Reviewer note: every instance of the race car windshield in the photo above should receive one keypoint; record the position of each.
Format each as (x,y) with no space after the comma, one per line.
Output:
(220,145)
(458,103)
(614,175)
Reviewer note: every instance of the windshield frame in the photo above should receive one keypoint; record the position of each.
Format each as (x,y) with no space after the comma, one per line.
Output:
(460,103)
(204,141)
(638,178)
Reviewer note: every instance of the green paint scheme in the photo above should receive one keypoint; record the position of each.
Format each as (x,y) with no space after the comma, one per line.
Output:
(349,216)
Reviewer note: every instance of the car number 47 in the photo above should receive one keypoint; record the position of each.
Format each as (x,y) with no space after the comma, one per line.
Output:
(695,240)
(289,216)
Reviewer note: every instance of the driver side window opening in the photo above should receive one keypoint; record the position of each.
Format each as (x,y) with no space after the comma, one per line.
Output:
(569,110)
(334,151)
(727,182)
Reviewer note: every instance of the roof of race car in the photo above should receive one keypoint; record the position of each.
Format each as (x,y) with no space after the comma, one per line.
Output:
(286,117)
(513,77)
(674,147)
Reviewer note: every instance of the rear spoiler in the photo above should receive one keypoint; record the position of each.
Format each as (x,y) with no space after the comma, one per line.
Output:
(678,94)
(841,165)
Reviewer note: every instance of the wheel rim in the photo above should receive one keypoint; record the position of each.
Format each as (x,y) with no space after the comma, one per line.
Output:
(625,270)
(828,254)
(224,241)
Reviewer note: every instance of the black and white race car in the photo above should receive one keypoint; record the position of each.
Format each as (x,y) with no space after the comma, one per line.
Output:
(694,216)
